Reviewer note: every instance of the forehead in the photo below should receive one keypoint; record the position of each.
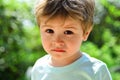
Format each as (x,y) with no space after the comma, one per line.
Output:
(59,20)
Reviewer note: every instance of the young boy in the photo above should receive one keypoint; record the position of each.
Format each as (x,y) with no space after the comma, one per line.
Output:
(64,25)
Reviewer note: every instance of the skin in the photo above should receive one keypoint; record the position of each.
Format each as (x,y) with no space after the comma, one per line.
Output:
(62,38)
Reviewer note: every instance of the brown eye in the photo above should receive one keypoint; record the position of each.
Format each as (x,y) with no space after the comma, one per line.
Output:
(68,32)
(49,31)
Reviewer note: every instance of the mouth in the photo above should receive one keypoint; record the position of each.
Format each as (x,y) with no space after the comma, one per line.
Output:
(58,50)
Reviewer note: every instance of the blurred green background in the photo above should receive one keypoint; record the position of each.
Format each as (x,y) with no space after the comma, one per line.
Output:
(20,44)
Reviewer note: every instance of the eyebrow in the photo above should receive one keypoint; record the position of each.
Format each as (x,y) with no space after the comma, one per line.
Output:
(70,27)
(46,25)
(65,26)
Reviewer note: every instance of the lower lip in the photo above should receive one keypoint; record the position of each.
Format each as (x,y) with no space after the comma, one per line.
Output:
(58,50)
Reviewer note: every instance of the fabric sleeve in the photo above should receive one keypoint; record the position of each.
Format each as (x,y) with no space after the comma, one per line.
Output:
(103,73)
(33,74)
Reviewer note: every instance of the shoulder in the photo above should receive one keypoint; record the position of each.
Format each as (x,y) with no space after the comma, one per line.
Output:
(42,59)
(91,60)
(95,63)
(99,68)
(91,63)
(38,67)
(40,62)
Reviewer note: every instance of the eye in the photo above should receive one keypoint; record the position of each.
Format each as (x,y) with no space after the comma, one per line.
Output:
(68,32)
(49,31)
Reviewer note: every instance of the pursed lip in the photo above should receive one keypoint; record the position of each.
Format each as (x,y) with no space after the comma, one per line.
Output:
(58,50)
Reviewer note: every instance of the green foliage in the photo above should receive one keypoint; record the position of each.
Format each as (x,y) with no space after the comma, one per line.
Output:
(11,41)
(15,57)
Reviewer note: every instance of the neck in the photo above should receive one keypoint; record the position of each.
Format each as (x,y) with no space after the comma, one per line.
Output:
(65,61)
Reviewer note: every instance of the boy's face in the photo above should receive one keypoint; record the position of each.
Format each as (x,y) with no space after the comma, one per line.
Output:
(62,38)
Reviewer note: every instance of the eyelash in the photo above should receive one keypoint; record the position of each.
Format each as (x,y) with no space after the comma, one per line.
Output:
(49,31)
(67,32)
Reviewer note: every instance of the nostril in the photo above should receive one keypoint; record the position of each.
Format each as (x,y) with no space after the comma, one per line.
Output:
(58,43)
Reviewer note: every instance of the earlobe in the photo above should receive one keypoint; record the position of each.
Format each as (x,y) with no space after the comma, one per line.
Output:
(86,34)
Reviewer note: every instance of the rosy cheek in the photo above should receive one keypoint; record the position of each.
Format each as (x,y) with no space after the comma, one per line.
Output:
(76,42)
(46,40)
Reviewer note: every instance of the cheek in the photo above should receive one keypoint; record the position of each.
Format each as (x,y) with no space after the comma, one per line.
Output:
(45,41)
(75,43)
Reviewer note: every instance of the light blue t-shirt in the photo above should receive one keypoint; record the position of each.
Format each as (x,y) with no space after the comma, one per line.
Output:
(85,68)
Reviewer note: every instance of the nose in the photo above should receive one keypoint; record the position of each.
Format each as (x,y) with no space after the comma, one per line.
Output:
(58,40)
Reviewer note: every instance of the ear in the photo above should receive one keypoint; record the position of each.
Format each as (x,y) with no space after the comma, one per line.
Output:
(86,34)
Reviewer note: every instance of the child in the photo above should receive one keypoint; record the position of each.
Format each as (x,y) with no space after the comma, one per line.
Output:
(64,25)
